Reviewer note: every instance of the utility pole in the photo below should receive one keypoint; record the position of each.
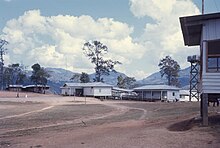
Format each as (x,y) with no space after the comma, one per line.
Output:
(202,6)
(2,52)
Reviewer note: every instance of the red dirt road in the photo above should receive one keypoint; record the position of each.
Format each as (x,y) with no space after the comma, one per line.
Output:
(54,121)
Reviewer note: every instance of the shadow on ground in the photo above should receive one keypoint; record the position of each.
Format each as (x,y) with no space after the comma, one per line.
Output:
(214,122)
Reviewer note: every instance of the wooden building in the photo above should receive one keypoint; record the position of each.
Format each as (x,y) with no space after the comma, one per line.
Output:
(158,92)
(28,88)
(36,88)
(121,93)
(204,31)
(17,88)
(95,89)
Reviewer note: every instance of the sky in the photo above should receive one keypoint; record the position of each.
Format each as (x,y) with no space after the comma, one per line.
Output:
(138,33)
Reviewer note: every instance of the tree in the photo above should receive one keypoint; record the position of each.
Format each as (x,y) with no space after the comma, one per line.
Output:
(169,68)
(2,52)
(76,78)
(7,76)
(125,82)
(14,74)
(84,78)
(120,82)
(39,75)
(95,51)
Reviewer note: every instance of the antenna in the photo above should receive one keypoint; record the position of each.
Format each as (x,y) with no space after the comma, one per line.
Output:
(202,6)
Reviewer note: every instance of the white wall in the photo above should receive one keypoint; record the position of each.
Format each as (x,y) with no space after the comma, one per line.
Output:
(186,99)
(106,91)
(170,96)
(98,91)
(211,30)
(210,82)
(65,91)
(88,91)
(70,91)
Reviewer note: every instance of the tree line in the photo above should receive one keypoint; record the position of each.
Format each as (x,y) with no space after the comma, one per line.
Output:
(16,74)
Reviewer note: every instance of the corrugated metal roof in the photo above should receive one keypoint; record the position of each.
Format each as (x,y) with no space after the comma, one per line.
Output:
(122,89)
(157,87)
(27,86)
(192,27)
(94,84)
(16,86)
(184,92)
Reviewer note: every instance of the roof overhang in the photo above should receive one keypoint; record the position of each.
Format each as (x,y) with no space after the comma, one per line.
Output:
(192,27)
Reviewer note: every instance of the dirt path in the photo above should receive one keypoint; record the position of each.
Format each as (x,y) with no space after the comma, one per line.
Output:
(117,110)
(27,113)
(126,124)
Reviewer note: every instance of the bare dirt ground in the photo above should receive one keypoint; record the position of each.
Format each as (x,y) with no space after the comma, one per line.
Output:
(55,121)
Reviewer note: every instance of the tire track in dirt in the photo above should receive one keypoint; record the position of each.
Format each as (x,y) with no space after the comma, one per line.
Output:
(127,108)
(117,111)
(27,113)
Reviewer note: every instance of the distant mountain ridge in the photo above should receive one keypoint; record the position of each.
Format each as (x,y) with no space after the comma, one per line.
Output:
(156,78)
(60,76)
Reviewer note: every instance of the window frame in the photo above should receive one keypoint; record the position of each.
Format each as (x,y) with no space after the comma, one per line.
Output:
(217,66)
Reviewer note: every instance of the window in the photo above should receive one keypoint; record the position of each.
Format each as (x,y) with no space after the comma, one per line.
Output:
(100,90)
(173,93)
(213,63)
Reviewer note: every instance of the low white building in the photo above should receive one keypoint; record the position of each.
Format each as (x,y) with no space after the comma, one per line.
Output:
(118,93)
(158,92)
(184,95)
(95,89)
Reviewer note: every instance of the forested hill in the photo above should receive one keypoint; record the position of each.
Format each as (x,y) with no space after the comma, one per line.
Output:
(155,78)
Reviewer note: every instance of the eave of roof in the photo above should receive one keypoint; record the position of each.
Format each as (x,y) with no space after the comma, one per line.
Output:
(192,27)
(157,87)
(94,84)
(122,89)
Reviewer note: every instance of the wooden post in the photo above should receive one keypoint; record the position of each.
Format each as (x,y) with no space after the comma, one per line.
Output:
(201,107)
(204,106)
(151,95)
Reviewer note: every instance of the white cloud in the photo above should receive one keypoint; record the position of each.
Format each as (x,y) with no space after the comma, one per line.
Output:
(163,36)
(140,74)
(57,41)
